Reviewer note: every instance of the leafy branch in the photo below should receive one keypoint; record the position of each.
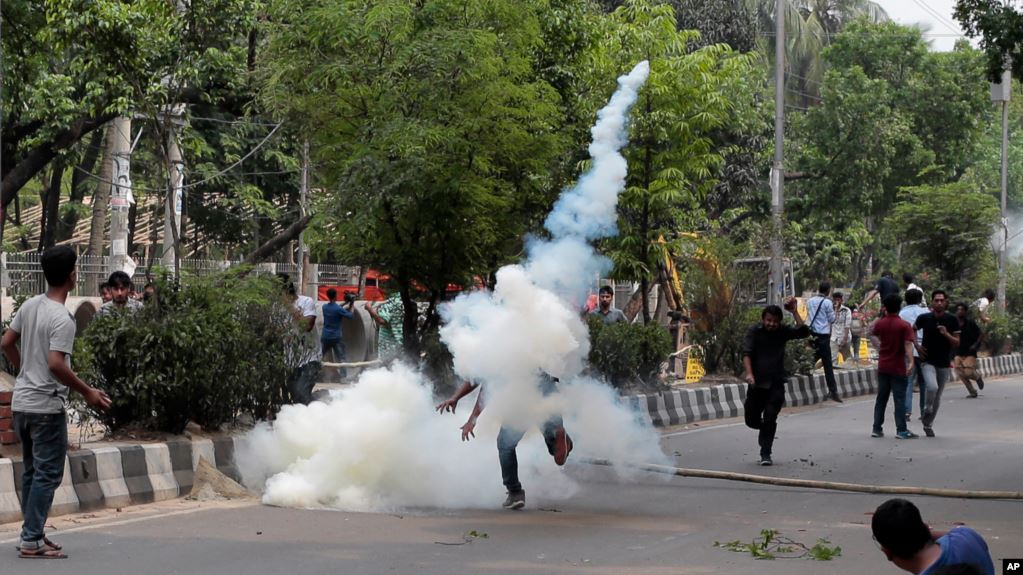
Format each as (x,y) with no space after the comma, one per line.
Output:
(773,545)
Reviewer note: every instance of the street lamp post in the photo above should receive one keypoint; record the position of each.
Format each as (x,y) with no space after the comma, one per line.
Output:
(1001,93)
(777,283)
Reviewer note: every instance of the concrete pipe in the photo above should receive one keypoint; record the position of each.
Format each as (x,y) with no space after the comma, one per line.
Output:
(83,309)
(359,334)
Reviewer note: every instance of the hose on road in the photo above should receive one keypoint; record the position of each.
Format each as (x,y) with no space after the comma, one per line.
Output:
(816,484)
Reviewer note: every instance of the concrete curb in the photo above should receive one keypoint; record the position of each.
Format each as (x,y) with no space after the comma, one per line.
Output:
(680,406)
(107,477)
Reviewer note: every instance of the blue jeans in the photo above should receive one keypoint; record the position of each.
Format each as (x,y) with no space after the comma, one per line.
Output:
(336,347)
(43,449)
(916,378)
(894,385)
(508,439)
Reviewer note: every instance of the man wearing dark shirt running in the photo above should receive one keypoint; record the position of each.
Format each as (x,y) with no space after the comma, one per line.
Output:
(966,356)
(763,356)
(941,336)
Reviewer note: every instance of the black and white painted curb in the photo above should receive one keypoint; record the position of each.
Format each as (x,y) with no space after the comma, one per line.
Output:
(107,477)
(679,406)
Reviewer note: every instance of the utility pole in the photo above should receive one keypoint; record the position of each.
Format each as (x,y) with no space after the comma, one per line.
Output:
(303,196)
(777,283)
(120,191)
(1001,93)
(172,203)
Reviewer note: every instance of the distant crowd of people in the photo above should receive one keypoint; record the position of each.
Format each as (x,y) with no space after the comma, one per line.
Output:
(916,342)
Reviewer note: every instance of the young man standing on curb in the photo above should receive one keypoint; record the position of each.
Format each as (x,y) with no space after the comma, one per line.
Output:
(763,356)
(912,546)
(970,338)
(941,336)
(822,314)
(46,331)
(894,339)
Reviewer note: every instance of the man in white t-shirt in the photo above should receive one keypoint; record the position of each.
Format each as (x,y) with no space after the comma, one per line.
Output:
(303,351)
(983,303)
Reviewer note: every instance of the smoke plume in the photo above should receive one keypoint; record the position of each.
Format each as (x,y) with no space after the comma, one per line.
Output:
(380,446)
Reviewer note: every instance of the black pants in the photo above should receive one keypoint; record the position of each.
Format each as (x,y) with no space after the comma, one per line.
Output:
(822,351)
(762,408)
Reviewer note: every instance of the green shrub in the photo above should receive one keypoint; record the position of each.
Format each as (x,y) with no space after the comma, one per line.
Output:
(1001,329)
(206,351)
(628,353)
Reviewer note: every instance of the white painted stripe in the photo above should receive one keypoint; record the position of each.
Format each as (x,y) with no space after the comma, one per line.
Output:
(65,499)
(203,448)
(161,472)
(10,509)
(111,477)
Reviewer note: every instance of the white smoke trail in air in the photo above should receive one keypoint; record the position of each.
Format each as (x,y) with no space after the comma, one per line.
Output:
(379,445)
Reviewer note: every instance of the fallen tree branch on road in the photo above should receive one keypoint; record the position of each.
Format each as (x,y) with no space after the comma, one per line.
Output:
(816,484)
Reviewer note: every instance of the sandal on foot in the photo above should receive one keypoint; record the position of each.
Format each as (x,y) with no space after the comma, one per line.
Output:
(48,544)
(43,552)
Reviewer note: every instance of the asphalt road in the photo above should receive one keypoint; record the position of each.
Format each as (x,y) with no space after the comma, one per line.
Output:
(655,525)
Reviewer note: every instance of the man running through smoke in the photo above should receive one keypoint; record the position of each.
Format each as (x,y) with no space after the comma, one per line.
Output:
(559,444)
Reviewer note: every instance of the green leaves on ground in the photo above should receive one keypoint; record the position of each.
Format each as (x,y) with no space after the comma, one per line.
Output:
(773,545)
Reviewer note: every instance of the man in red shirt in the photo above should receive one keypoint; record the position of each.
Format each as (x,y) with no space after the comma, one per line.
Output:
(894,339)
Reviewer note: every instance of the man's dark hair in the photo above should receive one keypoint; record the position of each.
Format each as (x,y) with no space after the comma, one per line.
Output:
(938,292)
(892,302)
(907,278)
(989,294)
(838,295)
(287,286)
(824,287)
(898,527)
(914,297)
(331,294)
(119,279)
(887,274)
(957,569)
(963,305)
(58,263)
(771,310)
(103,286)
(606,289)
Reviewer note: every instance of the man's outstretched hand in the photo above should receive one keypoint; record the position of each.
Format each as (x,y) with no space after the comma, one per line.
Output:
(469,429)
(448,405)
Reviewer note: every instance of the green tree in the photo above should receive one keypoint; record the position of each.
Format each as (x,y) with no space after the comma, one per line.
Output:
(892,115)
(673,161)
(956,240)
(70,66)
(431,124)
(999,26)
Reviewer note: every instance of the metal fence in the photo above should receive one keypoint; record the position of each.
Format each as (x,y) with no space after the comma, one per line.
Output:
(22,274)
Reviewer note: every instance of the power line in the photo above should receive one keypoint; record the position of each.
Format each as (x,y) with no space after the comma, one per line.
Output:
(200,182)
(937,15)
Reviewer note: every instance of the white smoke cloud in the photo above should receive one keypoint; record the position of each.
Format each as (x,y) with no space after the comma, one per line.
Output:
(380,446)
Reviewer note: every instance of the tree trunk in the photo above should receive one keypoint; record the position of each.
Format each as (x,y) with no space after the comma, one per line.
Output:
(79,181)
(279,241)
(410,332)
(635,304)
(51,208)
(101,197)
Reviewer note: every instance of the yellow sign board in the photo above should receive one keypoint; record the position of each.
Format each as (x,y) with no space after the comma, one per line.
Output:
(694,369)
